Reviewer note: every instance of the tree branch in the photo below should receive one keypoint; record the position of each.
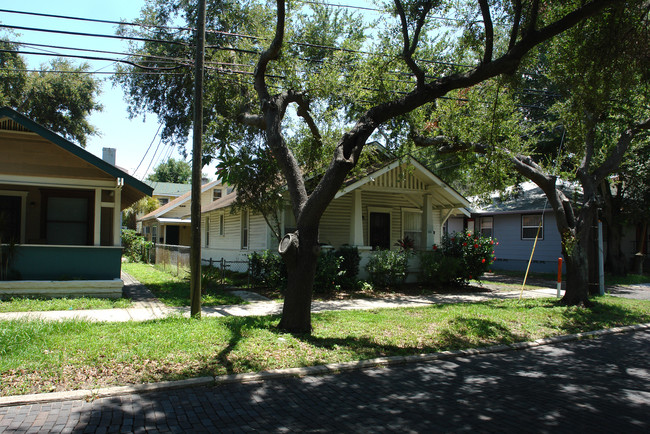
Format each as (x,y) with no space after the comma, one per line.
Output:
(489,31)
(410,46)
(271,53)
(255,121)
(615,158)
(532,18)
(448,145)
(515,25)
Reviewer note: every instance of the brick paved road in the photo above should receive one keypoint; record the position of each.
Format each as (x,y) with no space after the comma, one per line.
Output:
(600,385)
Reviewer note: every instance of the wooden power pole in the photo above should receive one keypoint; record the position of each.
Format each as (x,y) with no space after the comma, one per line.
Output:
(197,167)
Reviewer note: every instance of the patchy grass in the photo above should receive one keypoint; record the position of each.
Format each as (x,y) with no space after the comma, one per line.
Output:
(630,279)
(36,304)
(173,290)
(37,356)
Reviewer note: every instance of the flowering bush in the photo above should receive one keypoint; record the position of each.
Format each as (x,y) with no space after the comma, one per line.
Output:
(459,258)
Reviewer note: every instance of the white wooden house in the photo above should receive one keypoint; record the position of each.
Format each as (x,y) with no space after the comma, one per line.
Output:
(401,198)
(170,224)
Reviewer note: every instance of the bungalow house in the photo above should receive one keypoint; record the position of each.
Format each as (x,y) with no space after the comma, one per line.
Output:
(170,224)
(163,192)
(60,213)
(396,200)
(514,219)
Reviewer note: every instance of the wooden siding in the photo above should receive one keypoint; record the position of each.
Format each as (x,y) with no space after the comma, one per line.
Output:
(514,253)
(257,232)
(335,223)
(399,178)
(29,155)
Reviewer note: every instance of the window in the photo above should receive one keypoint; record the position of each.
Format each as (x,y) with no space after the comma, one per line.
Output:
(529,225)
(222,225)
(68,217)
(216,194)
(487,226)
(154,233)
(207,232)
(412,227)
(244,230)
(163,201)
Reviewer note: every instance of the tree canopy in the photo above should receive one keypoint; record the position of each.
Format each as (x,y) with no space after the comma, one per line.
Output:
(61,96)
(172,170)
(319,81)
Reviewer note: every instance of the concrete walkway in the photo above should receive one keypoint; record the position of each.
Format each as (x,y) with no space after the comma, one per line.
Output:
(147,307)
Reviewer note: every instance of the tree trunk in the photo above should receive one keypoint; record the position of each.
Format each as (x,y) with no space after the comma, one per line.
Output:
(575,248)
(616,260)
(577,281)
(300,252)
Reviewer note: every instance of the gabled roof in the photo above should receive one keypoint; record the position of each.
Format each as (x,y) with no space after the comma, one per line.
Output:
(169,188)
(450,196)
(223,202)
(18,122)
(178,201)
(525,197)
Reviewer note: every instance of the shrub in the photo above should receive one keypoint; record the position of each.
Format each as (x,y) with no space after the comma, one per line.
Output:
(327,279)
(459,258)
(388,267)
(349,266)
(134,247)
(268,268)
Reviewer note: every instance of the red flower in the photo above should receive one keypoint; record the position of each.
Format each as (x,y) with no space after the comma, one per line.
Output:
(435,247)
(497,243)
(453,239)
(483,261)
(491,242)
(464,244)
(470,276)
(476,246)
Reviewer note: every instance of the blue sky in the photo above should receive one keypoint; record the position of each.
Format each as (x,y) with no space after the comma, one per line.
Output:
(131,138)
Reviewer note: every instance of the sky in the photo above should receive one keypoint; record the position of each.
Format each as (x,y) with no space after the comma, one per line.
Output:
(135,140)
(130,137)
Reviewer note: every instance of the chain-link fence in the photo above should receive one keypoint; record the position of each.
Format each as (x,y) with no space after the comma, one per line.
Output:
(227,273)
(172,259)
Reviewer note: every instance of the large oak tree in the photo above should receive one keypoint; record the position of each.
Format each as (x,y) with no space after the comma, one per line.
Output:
(402,69)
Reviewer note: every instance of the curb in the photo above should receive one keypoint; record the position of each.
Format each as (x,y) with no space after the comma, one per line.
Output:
(332,368)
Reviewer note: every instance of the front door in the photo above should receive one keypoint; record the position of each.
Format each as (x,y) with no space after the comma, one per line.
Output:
(172,235)
(380,230)
(10,219)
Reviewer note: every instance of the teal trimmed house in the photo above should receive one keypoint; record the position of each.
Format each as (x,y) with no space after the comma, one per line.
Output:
(60,213)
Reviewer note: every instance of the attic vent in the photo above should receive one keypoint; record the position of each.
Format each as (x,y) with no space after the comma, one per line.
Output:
(10,125)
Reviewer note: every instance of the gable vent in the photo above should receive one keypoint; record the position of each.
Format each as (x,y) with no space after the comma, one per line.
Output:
(10,125)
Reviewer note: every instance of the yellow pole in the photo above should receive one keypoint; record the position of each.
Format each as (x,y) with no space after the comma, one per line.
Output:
(530,260)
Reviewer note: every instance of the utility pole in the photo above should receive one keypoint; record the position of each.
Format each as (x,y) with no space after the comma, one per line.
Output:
(197,167)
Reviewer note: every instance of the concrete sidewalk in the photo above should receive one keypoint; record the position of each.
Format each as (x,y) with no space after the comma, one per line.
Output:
(147,307)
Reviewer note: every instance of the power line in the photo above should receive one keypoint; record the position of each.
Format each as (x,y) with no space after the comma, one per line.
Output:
(93,20)
(94,35)
(74,56)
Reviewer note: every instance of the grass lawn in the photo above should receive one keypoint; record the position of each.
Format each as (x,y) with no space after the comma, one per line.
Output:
(34,304)
(37,356)
(173,290)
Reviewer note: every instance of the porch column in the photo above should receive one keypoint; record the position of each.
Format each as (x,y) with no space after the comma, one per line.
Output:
(97,234)
(428,232)
(356,223)
(117,217)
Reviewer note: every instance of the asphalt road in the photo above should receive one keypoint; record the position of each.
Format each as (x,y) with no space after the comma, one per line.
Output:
(597,385)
